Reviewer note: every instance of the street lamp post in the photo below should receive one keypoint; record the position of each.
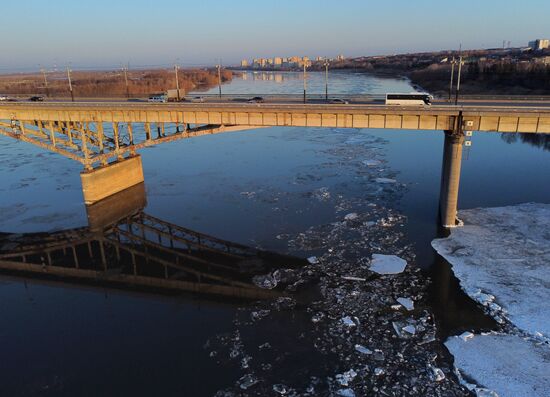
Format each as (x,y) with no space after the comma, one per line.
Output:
(460,63)
(452,77)
(70,83)
(326,80)
(177,83)
(305,83)
(219,66)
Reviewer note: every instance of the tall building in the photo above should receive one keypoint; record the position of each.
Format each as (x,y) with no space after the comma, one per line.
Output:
(278,62)
(244,63)
(539,44)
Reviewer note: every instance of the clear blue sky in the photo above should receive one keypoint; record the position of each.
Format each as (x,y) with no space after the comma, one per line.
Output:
(147,32)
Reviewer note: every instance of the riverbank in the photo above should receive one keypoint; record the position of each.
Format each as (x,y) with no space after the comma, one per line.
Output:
(110,84)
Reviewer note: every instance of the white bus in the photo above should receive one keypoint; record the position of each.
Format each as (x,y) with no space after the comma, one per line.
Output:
(415,98)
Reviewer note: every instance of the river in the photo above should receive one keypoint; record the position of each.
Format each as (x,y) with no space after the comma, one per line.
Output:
(282,189)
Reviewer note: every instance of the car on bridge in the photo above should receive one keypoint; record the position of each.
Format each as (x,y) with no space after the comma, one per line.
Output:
(197,99)
(36,98)
(339,101)
(157,98)
(256,99)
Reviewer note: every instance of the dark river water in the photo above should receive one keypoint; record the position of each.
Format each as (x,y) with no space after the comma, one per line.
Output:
(255,187)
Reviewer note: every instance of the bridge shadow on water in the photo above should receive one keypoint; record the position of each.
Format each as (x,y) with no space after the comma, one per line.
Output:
(124,247)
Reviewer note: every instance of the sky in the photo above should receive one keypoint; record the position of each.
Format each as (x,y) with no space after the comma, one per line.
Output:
(108,33)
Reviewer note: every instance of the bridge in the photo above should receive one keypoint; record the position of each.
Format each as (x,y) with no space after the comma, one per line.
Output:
(105,136)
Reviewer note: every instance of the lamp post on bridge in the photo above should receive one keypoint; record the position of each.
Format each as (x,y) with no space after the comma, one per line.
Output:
(452,77)
(70,83)
(219,66)
(305,81)
(326,79)
(176,67)
(45,82)
(125,70)
(460,63)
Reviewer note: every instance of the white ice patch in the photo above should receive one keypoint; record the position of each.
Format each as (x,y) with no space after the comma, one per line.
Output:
(501,257)
(507,364)
(351,216)
(387,264)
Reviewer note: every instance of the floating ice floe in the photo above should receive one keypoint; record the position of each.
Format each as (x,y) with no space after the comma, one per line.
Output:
(352,278)
(346,393)
(281,389)
(351,216)
(507,364)
(436,374)
(265,281)
(385,180)
(407,303)
(403,330)
(371,163)
(379,371)
(346,378)
(313,260)
(387,264)
(247,381)
(348,322)
(362,349)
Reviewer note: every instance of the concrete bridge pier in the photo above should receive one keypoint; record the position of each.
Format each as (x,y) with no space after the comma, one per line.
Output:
(450,177)
(100,183)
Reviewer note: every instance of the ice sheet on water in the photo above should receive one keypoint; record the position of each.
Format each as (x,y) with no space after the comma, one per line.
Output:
(507,364)
(503,252)
(387,264)
(362,349)
(351,216)
(346,393)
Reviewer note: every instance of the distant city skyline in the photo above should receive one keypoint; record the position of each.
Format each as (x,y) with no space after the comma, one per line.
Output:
(104,33)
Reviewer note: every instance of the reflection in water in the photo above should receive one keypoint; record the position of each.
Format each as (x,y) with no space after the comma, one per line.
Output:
(125,246)
(537,140)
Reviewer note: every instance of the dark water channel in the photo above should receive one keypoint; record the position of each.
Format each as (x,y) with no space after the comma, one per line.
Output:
(261,188)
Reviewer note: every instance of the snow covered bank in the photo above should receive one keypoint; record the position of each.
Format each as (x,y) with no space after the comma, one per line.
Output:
(502,259)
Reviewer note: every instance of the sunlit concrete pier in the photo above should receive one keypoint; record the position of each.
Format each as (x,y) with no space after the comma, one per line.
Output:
(105,136)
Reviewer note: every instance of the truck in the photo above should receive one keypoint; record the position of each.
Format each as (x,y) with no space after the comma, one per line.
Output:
(172,95)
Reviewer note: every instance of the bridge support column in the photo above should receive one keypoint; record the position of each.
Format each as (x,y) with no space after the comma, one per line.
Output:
(450,177)
(107,180)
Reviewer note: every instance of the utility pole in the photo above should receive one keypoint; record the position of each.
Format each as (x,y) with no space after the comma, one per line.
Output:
(452,77)
(125,70)
(219,66)
(326,80)
(460,63)
(177,83)
(305,82)
(70,83)
(45,82)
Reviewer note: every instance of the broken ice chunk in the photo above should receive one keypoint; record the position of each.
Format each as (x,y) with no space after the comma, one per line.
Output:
(387,264)
(247,381)
(346,393)
(258,315)
(409,329)
(407,303)
(466,335)
(385,180)
(265,281)
(317,317)
(351,216)
(346,378)
(396,307)
(482,392)
(348,322)
(436,374)
(379,371)
(313,260)
(352,278)
(280,389)
(371,163)
(362,349)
